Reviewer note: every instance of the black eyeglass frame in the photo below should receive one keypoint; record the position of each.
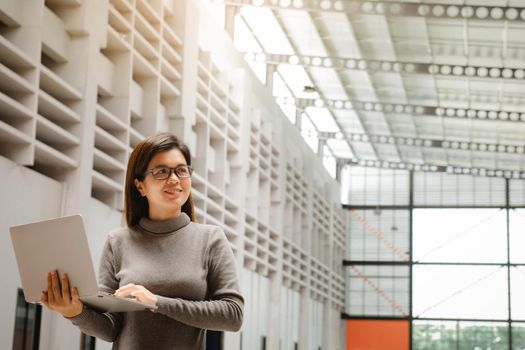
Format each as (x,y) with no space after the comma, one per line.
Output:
(171,171)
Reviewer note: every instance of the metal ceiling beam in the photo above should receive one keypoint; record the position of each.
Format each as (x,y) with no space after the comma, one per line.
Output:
(273,68)
(420,142)
(343,85)
(393,9)
(388,35)
(450,169)
(415,110)
(325,46)
(372,66)
(282,27)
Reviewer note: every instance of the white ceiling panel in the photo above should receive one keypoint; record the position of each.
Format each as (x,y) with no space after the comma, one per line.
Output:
(451,82)
(388,153)
(364,150)
(445,30)
(296,79)
(487,32)
(340,148)
(369,27)
(488,45)
(266,29)
(387,80)
(400,121)
(356,77)
(460,158)
(484,160)
(349,121)
(411,154)
(329,83)
(338,34)
(407,130)
(430,132)
(436,156)
(409,28)
(322,119)
(302,32)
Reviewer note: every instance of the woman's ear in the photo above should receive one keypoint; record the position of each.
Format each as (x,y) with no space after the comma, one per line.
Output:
(140,187)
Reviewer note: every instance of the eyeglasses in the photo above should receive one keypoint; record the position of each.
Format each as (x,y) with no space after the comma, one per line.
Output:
(182,171)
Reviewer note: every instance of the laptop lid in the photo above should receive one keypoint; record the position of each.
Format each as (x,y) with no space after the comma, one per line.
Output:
(56,244)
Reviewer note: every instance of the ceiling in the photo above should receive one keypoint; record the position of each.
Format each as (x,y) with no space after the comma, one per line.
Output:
(429,85)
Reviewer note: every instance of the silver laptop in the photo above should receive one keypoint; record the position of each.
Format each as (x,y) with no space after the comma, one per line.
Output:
(61,244)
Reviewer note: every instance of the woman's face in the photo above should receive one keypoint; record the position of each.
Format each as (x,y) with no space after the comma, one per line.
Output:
(165,197)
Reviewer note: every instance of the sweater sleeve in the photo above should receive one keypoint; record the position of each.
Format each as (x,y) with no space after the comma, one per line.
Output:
(105,326)
(223,308)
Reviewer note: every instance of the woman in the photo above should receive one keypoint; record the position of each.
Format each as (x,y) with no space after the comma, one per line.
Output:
(163,258)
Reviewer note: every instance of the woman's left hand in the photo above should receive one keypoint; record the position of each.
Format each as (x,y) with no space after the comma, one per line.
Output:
(139,293)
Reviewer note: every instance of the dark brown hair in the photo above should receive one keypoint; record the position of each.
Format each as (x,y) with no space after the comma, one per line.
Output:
(136,206)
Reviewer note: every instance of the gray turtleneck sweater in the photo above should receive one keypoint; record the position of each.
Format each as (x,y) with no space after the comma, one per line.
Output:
(191,269)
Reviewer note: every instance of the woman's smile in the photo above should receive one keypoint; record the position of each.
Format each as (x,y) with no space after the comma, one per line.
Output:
(173,192)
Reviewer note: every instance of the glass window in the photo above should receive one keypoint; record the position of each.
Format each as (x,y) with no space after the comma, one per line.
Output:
(459,272)
(213,340)
(377,291)
(458,335)
(87,342)
(371,186)
(437,335)
(474,292)
(480,335)
(460,235)
(517,193)
(378,235)
(518,336)
(440,189)
(517,235)
(27,324)
(517,288)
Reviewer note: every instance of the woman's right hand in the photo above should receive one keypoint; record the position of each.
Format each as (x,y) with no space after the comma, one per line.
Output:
(60,298)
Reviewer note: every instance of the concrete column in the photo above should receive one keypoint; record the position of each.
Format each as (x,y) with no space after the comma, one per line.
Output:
(304,320)
(326,342)
(274,319)
(320,148)
(298,113)
(186,105)
(338,170)
(270,69)
(229,19)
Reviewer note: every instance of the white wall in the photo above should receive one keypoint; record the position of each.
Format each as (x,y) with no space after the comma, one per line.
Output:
(290,307)
(26,196)
(255,289)
(317,321)
(29,196)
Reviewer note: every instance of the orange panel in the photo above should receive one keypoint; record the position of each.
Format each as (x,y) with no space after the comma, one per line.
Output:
(377,335)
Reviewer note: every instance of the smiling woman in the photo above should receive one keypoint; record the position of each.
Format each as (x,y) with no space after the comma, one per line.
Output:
(184,270)
(168,187)
(144,193)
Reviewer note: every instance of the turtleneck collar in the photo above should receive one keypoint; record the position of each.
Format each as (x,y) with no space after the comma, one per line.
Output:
(162,227)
